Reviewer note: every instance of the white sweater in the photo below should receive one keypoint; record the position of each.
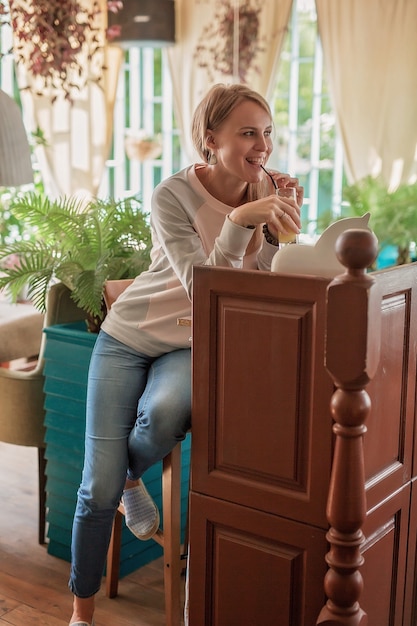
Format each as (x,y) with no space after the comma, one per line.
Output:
(189,227)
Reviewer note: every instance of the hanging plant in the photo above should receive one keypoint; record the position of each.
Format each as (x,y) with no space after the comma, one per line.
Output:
(60,42)
(216,52)
(140,146)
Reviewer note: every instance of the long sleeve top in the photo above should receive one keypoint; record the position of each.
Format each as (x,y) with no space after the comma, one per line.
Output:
(189,227)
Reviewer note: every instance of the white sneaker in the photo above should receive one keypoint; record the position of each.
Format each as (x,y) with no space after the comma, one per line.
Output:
(142,514)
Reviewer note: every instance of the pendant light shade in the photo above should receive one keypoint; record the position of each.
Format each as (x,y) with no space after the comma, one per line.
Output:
(145,23)
(15,159)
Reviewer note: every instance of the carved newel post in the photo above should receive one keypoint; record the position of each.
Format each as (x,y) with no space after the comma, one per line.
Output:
(354,322)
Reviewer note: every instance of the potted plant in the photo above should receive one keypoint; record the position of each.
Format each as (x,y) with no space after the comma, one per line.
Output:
(80,243)
(393,212)
(141,146)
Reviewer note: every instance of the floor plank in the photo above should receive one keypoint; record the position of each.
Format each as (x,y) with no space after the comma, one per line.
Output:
(33,584)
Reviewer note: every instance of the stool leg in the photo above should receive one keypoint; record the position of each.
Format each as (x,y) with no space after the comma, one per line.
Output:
(113,557)
(171,502)
(42,494)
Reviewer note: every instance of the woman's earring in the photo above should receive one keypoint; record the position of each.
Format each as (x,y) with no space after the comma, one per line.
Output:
(212,160)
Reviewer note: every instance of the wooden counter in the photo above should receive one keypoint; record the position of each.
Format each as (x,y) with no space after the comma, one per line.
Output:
(263,451)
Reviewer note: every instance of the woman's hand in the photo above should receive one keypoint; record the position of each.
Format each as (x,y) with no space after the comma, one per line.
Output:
(280,214)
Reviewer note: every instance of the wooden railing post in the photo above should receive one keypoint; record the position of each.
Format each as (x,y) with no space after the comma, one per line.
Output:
(351,358)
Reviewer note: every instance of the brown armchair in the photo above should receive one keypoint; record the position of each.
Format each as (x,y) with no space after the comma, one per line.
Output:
(22,398)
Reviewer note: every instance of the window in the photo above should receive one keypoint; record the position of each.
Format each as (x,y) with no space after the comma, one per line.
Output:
(144,102)
(306,143)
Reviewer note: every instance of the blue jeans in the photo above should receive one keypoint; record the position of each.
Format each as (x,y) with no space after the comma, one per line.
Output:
(138,408)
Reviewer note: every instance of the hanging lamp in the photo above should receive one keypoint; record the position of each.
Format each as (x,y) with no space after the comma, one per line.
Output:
(15,158)
(144,23)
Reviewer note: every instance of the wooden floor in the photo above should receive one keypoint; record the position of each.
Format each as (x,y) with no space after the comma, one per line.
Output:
(33,584)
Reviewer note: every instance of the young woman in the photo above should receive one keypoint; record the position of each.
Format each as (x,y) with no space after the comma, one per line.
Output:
(223,211)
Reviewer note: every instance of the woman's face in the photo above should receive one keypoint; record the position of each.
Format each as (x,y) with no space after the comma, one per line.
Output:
(243,142)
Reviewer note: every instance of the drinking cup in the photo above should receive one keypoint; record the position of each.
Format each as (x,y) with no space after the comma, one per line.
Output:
(290,237)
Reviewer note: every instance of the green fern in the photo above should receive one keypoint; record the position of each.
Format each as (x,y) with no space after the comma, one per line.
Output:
(393,213)
(80,244)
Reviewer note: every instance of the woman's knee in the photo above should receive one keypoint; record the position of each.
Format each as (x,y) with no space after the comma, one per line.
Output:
(165,406)
(164,422)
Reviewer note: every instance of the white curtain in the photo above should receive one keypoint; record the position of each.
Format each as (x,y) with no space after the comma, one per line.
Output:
(370,54)
(203,30)
(78,135)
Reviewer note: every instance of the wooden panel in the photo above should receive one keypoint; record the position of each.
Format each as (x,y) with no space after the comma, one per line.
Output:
(268,339)
(385,567)
(410,602)
(258,364)
(262,569)
(388,443)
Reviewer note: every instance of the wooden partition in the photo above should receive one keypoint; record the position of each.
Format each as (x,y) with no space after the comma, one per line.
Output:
(263,449)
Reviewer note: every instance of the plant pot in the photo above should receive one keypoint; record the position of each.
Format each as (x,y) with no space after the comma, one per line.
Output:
(142,149)
(67,356)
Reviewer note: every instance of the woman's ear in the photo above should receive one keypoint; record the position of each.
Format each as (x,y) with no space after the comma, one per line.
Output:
(210,143)
(210,147)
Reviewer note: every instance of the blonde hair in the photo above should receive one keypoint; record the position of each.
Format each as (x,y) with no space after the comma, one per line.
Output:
(214,109)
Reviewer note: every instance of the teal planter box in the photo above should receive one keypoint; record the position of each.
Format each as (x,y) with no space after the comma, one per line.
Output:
(67,357)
